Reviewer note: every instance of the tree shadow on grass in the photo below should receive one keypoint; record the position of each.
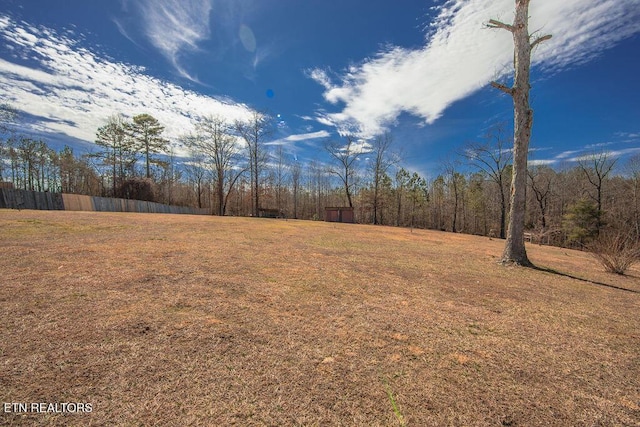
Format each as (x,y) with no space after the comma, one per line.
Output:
(593,282)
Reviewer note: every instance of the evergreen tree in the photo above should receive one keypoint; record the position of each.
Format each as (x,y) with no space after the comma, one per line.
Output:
(582,222)
(146,132)
(118,153)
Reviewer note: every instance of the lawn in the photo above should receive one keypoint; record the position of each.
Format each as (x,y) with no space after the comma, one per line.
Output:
(159,319)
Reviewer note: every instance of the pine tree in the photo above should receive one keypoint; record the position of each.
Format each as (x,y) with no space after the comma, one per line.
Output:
(146,132)
(118,152)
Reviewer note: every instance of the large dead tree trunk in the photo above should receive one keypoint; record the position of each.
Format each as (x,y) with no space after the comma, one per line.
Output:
(514,251)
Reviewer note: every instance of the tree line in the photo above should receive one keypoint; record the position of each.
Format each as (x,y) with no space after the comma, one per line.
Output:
(232,170)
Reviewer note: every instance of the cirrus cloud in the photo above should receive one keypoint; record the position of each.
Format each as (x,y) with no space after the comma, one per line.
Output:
(172,26)
(71,90)
(461,56)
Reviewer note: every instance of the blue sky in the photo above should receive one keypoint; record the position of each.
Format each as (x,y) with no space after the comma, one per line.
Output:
(417,69)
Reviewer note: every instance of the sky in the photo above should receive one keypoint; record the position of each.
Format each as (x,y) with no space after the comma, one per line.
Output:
(417,69)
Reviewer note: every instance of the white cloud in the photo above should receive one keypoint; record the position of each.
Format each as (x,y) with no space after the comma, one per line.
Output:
(461,56)
(72,91)
(321,77)
(566,155)
(542,162)
(306,136)
(173,26)
(300,137)
(599,145)
(629,137)
(359,147)
(587,152)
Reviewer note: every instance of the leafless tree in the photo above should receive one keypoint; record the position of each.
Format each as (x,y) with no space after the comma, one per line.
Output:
(541,181)
(383,160)
(455,181)
(595,168)
(515,250)
(633,171)
(197,173)
(296,173)
(345,157)
(254,132)
(281,175)
(493,157)
(214,141)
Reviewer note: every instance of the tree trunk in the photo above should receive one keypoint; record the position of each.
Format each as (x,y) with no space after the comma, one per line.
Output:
(220,193)
(503,211)
(256,185)
(348,195)
(543,210)
(455,206)
(399,207)
(147,159)
(515,251)
(375,200)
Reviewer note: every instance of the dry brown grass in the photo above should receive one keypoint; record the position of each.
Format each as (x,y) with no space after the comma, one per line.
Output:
(188,320)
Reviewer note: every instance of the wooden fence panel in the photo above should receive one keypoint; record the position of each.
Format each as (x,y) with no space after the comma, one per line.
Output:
(8,199)
(77,202)
(22,199)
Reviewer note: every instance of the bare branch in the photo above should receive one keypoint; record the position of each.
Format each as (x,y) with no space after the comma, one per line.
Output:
(503,88)
(540,40)
(497,24)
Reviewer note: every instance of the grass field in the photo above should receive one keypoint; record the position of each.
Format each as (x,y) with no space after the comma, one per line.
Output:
(192,320)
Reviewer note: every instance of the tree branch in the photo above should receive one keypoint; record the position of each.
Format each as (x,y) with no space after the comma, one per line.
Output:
(540,40)
(503,88)
(497,24)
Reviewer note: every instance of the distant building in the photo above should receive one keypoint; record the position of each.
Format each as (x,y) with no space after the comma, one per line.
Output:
(6,185)
(339,214)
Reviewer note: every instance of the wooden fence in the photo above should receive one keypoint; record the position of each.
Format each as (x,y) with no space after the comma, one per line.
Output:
(21,199)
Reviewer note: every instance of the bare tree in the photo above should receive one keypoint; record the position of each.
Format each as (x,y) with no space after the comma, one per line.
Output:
(281,175)
(214,141)
(254,132)
(456,182)
(541,181)
(197,173)
(633,170)
(170,174)
(345,157)
(515,250)
(596,167)
(382,161)
(493,157)
(296,173)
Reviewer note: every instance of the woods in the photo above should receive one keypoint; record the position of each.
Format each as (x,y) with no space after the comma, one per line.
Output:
(566,204)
